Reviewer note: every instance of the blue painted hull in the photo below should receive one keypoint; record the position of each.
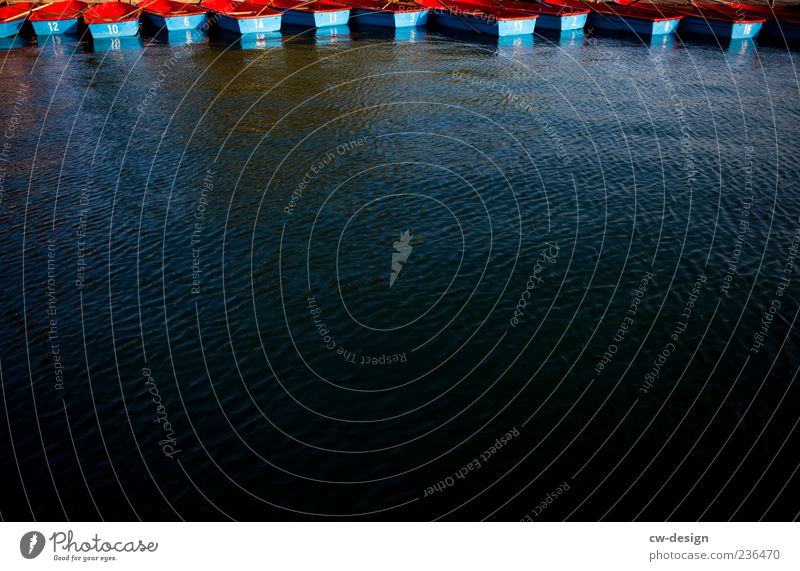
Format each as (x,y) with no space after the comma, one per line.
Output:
(639,26)
(719,29)
(497,28)
(115,29)
(56,27)
(249,25)
(561,23)
(12,28)
(390,19)
(309,19)
(175,23)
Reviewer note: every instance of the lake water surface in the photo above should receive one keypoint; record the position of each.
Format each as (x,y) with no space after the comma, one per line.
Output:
(419,276)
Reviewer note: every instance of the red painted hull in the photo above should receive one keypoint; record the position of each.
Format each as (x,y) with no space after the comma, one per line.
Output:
(531,7)
(474,11)
(66,10)
(728,16)
(648,13)
(379,6)
(237,10)
(168,8)
(14,11)
(310,6)
(109,12)
(751,10)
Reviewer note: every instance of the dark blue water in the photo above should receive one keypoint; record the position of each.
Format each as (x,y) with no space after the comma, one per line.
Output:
(204,314)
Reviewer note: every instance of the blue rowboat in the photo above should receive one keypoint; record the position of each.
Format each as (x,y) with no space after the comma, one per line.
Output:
(493,21)
(112,20)
(713,22)
(644,21)
(310,13)
(387,14)
(13,17)
(58,18)
(242,17)
(558,18)
(781,23)
(172,16)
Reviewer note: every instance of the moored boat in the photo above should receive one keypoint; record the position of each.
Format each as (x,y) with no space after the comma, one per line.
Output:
(310,13)
(243,17)
(781,23)
(58,18)
(172,16)
(112,20)
(387,14)
(617,17)
(494,21)
(712,22)
(12,17)
(559,18)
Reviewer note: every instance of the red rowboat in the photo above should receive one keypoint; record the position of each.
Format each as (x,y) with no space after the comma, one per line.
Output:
(58,18)
(112,19)
(12,17)
(243,17)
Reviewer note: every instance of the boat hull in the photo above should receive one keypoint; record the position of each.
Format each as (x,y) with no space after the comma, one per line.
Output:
(499,28)
(561,23)
(115,29)
(12,28)
(249,25)
(641,26)
(720,29)
(56,27)
(389,19)
(175,23)
(309,19)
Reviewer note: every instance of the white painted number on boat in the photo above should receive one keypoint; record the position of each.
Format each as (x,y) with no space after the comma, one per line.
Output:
(259,23)
(746,29)
(518,26)
(113,28)
(53,26)
(186,22)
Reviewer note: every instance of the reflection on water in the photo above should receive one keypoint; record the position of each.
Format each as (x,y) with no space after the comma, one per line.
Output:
(572,38)
(331,34)
(117,44)
(261,40)
(14,42)
(661,41)
(745,47)
(60,45)
(183,37)
(407,34)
